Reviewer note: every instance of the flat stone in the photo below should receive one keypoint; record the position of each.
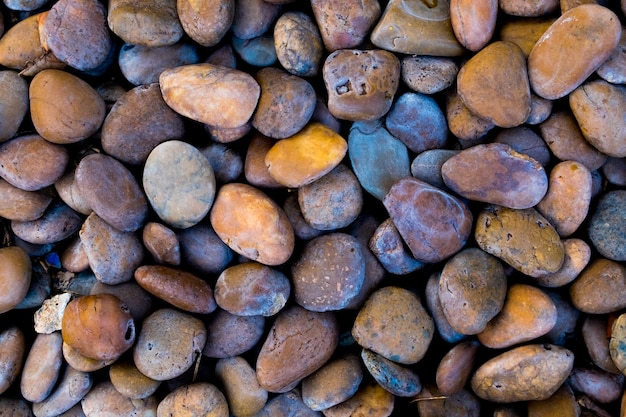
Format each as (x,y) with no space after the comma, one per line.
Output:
(14,103)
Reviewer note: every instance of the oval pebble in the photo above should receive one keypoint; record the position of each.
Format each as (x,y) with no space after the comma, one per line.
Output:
(577,256)
(607,227)
(580,40)
(244,394)
(14,103)
(232,335)
(138,300)
(128,381)
(69,391)
(203,250)
(473,23)
(206,23)
(301,228)
(305,339)
(42,367)
(13,406)
(82,363)
(600,386)
(333,383)
(12,353)
(495,173)
(255,170)
(524,140)
(427,166)
(196,399)
(617,345)
(252,289)
(464,124)
(252,224)
(180,288)
(58,222)
(258,52)
(26,31)
(298,44)
(111,191)
(599,288)
(168,343)
(15,276)
(162,243)
(371,400)
(394,324)
(428,74)
(455,367)
(143,64)
(253,18)
(21,205)
(104,399)
(433,223)
(594,332)
(433,304)
(395,378)
(146,23)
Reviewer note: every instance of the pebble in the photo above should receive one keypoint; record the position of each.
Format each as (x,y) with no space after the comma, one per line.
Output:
(612,70)
(255,170)
(15,407)
(464,124)
(285,105)
(69,193)
(472,290)
(525,32)
(306,156)
(15,276)
(616,342)
(332,384)
(594,332)
(598,288)
(580,40)
(179,288)
(388,247)
(203,250)
(614,170)
(601,386)
(27,32)
(12,353)
(232,335)
(128,381)
(143,64)
(333,201)
(602,124)
(243,393)
(522,8)
(427,166)
(42,367)
(474,23)
(73,385)
(227,164)
(301,228)
(287,404)
(32,163)
(428,74)
(113,255)
(460,404)
(258,52)
(395,378)
(168,344)
(305,339)
(433,304)
(418,122)
(394,324)
(522,238)
(607,227)
(298,44)
(104,400)
(329,272)
(138,300)
(82,363)
(138,122)
(540,109)
(14,104)
(162,243)
(253,18)
(562,401)
(179,183)
(524,140)
(252,224)
(361,84)
(211,94)
(456,367)
(370,400)
(433,223)
(493,84)
(141,22)
(58,222)
(252,289)
(577,256)
(197,399)
(74,259)
(206,25)
(495,173)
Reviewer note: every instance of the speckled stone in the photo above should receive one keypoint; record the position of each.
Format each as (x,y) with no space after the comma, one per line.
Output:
(607,227)
(428,74)
(388,246)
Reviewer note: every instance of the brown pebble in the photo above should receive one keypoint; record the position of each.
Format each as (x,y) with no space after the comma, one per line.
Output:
(14,104)
(473,23)
(456,366)
(428,74)
(599,288)
(82,363)
(74,259)
(208,24)
(162,243)
(244,394)
(68,191)
(232,335)
(131,383)
(104,399)
(577,256)
(42,367)
(12,353)
(461,121)
(138,300)
(595,335)
(371,399)
(71,388)
(58,222)
(196,399)
(333,383)
(145,22)
(21,205)
(15,276)
(524,32)
(255,170)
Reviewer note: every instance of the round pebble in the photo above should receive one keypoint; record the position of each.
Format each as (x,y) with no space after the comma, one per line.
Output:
(244,394)
(333,383)
(232,335)
(104,399)
(197,399)
(69,391)
(15,276)
(131,383)
(20,205)
(428,74)
(607,226)
(143,64)
(298,44)
(147,24)
(162,243)
(42,367)
(598,288)
(203,250)
(58,222)
(206,25)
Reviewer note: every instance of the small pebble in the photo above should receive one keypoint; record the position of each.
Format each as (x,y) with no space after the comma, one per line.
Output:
(333,383)
(131,383)
(388,247)
(14,104)
(57,223)
(12,353)
(42,367)
(162,243)
(206,25)
(140,22)
(345,25)
(15,276)
(103,399)
(395,378)
(607,226)
(598,288)
(73,385)
(298,44)
(203,250)
(242,391)
(143,64)
(231,335)
(428,74)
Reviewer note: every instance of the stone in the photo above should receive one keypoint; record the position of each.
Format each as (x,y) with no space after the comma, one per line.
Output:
(456,366)
(242,391)
(616,342)
(104,399)
(259,51)
(143,64)
(525,32)
(226,162)
(203,250)
(333,383)
(138,300)
(12,353)
(371,400)
(42,367)
(232,335)
(145,23)
(49,316)
(287,404)
(70,390)
(594,333)
(464,124)
(20,205)
(388,247)
(428,74)
(15,277)
(612,70)
(206,23)
(162,243)
(57,223)
(68,191)
(473,23)
(577,256)
(255,170)
(345,24)
(298,44)
(128,381)
(606,226)
(427,166)
(301,228)
(397,379)
(524,140)
(598,288)
(14,104)
(253,18)
(522,8)
(26,31)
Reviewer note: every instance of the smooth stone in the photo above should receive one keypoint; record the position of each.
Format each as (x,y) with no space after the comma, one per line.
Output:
(285,105)
(138,300)
(103,399)
(24,5)
(206,23)
(579,41)
(433,223)
(388,247)
(594,333)
(20,205)
(254,18)
(567,321)
(534,9)
(333,383)
(371,400)
(493,84)
(524,140)
(427,166)
(298,44)
(417,28)
(598,385)
(499,379)
(256,171)
(433,304)
(203,250)
(242,391)
(231,335)
(15,407)
(346,24)
(42,367)
(286,405)
(15,277)
(12,353)
(252,224)
(528,313)
(57,223)
(456,366)
(14,103)
(306,156)
(258,52)
(394,324)
(614,170)
(494,173)
(145,22)
(460,404)
(111,191)
(567,201)
(524,32)
(138,122)
(397,379)
(562,402)
(26,32)
(577,256)
(361,84)
(211,94)
(473,23)
(128,381)
(540,109)
(162,243)
(522,238)
(113,255)
(472,290)
(462,123)
(228,134)
(323,115)
(82,363)
(301,228)
(329,272)
(565,140)
(179,183)
(68,191)
(38,291)
(607,226)
(598,289)
(70,390)
(598,107)
(613,69)
(179,288)
(617,345)
(304,339)
(226,162)
(418,122)
(168,343)
(143,64)
(428,74)
(76,33)
(32,163)
(378,159)
(252,289)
